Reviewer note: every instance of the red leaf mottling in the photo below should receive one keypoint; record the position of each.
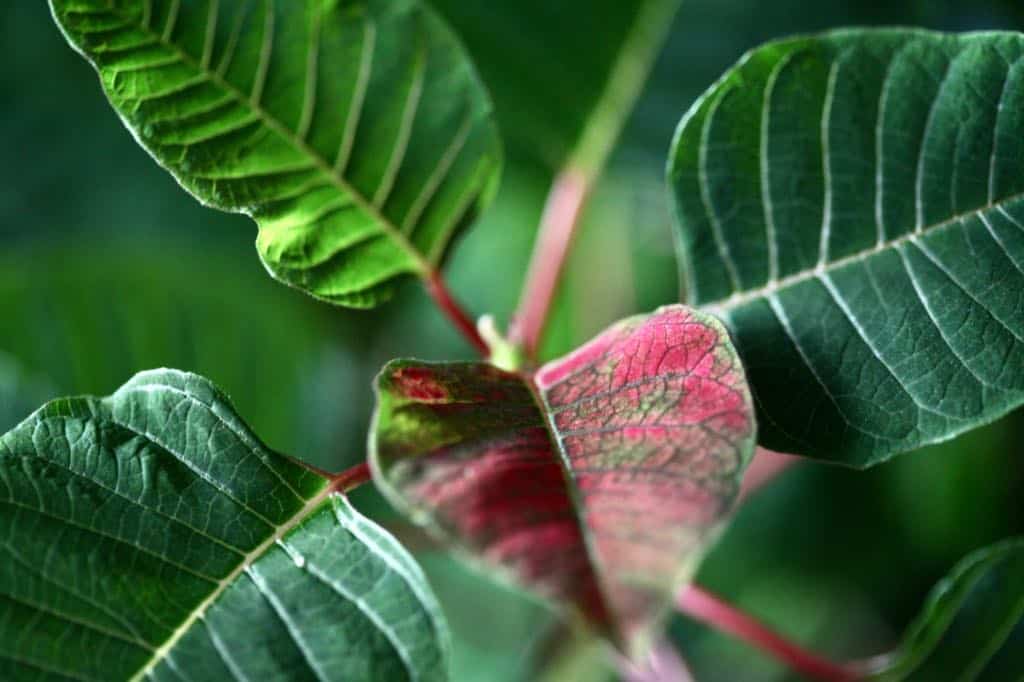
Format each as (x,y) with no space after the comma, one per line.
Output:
(596,483)
(655,424)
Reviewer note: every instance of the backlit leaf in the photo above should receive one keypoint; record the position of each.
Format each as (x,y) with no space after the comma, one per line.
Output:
(597,482)
(355,132)
(852,205)
(150,535)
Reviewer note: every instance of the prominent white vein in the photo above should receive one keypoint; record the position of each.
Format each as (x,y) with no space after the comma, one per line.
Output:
(720,306)
(826,162)
(933,111)
(222,585)
(771,238)
(705,195)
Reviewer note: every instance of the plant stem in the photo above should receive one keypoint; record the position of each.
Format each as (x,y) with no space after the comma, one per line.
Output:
(557,227)
(574,182)
(350,479)
(707,608)
(438,291)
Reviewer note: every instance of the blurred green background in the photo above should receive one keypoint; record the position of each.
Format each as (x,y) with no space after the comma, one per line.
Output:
(109,268)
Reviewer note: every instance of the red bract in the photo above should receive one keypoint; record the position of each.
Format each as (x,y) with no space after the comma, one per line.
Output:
(597,482)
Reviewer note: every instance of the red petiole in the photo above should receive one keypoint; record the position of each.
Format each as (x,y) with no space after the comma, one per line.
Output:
(459,318)
(700,605)
(707,608)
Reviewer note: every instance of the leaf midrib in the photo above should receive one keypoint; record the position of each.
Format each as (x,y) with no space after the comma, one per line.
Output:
(571,488)
(164,649)
(728,304)
(389,228)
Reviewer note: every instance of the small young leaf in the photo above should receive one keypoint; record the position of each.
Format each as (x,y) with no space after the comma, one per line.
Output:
(852,205)
(151,535)
(597,482)
(972,626)
(355,133)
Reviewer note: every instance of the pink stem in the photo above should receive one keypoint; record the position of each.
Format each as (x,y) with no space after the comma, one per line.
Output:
(765,466)
(453,311)
(350,479)
(558,225)
(711,610)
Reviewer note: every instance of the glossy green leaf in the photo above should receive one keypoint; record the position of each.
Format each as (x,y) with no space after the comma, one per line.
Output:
(355,132)
(972,626)
(150,535)
(852,205)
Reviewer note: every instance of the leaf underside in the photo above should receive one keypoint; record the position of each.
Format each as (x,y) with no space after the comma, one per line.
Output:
(355,132)
(852,205)
(598,483)
(151,535)
(972,626)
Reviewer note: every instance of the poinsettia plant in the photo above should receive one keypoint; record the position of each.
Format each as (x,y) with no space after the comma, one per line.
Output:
(850,229)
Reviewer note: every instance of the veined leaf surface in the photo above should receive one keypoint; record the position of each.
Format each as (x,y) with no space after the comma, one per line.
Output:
(598,482)
(151,535)
(355,132)
(852,205)
(972,626)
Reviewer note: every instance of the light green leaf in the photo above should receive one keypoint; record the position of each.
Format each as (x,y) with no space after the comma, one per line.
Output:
(151,535)
(852,205)
(355,132)
(972,626)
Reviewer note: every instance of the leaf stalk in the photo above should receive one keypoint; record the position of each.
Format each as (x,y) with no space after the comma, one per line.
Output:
(574,182)
(557,228)
(708,608)
(460,319)
(351,478)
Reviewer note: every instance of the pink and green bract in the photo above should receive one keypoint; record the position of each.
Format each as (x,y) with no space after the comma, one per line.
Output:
(598,481)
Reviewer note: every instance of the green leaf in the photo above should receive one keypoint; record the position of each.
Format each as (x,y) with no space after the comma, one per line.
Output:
(852,205)
(972,625)
(356,133)
(598,481)
(151,535)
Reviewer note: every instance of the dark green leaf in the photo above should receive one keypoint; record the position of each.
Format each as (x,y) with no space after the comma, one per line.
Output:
(355,133)
(972,626)
(852,205)
(151,535)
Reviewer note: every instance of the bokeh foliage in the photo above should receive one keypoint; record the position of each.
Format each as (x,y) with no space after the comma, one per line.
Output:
(108,268)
